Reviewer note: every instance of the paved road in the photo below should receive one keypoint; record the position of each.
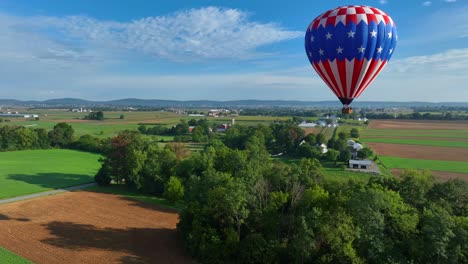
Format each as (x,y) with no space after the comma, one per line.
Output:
(35,195)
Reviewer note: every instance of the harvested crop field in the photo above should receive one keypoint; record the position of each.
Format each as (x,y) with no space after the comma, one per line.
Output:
(420,152)
(89,227)
(419,124)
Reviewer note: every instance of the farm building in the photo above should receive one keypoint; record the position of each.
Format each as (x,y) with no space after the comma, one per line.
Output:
(17,115)
(222,128)
(360,164)
(307,125)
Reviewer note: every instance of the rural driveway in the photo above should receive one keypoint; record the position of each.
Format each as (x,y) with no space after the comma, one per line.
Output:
(41,194)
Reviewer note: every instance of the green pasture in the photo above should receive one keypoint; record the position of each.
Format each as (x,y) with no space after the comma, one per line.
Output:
(422,142)
(122,190)
(10,258)
(435,165)
(33,171)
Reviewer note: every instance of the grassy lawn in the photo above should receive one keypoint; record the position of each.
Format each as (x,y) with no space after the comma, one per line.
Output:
(32,171)
(10,258)
(423,142)
(123,191)
(436,165)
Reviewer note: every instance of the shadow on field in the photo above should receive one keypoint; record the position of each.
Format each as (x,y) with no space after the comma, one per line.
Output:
(143,245)
(6,217)
(52,180)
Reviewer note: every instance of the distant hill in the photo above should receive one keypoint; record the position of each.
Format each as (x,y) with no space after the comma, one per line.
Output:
(134,102)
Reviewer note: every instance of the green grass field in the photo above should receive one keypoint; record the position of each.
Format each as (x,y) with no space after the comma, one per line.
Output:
(436,165)
(422,142)
(8,257)
(123,191)
(32,171)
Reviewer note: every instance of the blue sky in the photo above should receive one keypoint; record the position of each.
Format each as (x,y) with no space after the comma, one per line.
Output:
(217,50)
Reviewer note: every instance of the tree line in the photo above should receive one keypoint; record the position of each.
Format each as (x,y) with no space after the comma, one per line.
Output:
(62,135)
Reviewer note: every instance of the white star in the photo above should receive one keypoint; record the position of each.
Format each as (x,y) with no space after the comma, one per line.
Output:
(390,51)
(312,39)
(361,49)
(321,51)
(310,54)
(339,50)
(389,34)
(329,35)
(351,34)
(379,50)
(373,33)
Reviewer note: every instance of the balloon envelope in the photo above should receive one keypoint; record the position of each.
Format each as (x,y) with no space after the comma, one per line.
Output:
(348,46)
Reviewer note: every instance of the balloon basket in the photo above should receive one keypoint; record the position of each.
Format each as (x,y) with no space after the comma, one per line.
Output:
(347,110)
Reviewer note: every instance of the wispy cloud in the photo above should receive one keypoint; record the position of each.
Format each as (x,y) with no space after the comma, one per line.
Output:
(427,3)
(450,1)
(206,33)
(383,2)
(450,62)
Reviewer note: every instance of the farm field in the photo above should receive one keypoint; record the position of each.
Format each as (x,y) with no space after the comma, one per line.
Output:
(32,171)
(112,124)
(91,227)
(439,146)
(10,258)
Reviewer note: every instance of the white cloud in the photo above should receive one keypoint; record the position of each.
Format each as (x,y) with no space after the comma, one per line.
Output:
(209,32)
(383,2)
(427,3)
(450,1)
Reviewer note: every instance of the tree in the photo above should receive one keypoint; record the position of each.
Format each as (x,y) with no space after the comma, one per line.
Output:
(365,153)
(174,190)
(332,155)
(95,116)
(61,135)
(345,155)
(122,117)
(310,138)
(355,133)
(103,176)
(320,139)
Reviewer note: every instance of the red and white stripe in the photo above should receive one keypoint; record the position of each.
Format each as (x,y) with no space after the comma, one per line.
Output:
(346,14)
(348,79)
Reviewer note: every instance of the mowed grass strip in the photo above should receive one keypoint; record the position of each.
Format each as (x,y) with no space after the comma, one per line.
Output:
(33,171)
(423,142)
(10,258)
(435,165)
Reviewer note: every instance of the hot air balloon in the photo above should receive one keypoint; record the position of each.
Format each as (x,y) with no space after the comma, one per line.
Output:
(348,46)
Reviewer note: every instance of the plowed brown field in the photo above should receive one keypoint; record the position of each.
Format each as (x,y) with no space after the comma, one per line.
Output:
(418,124)
(88,227)
(420,152)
